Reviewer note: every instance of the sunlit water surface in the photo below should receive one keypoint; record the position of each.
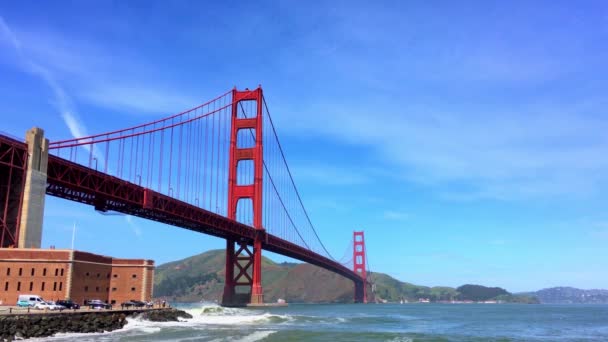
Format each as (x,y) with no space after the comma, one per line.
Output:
(371,322)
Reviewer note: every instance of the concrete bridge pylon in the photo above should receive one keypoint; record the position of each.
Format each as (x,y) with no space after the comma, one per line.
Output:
(32,210)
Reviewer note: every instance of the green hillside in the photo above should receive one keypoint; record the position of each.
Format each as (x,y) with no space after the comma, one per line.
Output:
(201,277)
(393,290)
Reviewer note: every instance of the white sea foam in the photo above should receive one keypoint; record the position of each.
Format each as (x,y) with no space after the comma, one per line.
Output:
(401,339)
(211,309)
(203,316)
(66,336)
(140,324)
(134,326)
(256,336)
(217,315)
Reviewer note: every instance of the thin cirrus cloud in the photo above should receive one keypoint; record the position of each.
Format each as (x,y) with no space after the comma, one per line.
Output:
(600,234)
(539,145)
(534,151)
(499,113)
(395,215)
(600,230)
(137,98)
(329,175)
(61,100)
(134,226)
(101,75)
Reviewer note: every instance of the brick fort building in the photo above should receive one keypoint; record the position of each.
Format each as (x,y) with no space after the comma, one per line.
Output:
(57,274)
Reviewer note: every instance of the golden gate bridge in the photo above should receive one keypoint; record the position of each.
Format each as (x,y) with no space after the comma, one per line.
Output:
(217,169)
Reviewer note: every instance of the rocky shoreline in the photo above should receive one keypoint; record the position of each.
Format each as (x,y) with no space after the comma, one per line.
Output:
(22,326)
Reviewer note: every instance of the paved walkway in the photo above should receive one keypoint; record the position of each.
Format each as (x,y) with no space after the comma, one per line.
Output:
(15,310)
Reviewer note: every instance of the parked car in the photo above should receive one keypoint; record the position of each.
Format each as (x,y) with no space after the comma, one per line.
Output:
(30,300)
(68,304)
(138,303)
(98,304)
(128,304)
(141,304)
(48,306)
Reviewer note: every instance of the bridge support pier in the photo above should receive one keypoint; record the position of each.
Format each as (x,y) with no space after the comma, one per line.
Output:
(243,284)
(360,292)
(229,287)
(257,294)
(32,211)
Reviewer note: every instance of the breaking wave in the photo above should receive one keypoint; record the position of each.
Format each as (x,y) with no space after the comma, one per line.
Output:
(218,315)
(206,317)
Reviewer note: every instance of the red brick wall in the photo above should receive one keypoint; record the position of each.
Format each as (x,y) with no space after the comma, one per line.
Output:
(93,276)
(90,281)
(150,282)
(128,280)
(32,253)
(49,269)
(90,257)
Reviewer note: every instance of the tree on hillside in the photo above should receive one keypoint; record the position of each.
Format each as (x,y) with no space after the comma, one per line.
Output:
(479,293)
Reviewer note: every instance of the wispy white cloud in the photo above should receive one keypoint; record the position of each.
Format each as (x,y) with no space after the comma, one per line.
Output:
(534,151)
(61,99)
(7,34)
(600,230)
(134,227)
(328,204)
(498,242)
(601,224)
(600,234)
(137,97)
(104,76)
(394,215)
(492,112)
(328,175)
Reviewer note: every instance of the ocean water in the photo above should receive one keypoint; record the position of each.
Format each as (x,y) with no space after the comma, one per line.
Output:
(371,322)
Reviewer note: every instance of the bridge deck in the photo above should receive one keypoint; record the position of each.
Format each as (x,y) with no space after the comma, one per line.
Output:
(85,185)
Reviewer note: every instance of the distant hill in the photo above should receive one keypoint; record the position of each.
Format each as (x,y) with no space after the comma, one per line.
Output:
(200,277)
(479,293)
(570,295)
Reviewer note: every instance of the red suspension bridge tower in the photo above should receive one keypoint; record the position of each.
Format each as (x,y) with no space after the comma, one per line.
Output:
(247,263)
(359,264)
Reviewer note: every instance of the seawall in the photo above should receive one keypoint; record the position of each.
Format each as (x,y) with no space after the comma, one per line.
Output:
(42,324)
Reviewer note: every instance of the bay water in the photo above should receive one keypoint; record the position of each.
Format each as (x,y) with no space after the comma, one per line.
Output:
(370,322)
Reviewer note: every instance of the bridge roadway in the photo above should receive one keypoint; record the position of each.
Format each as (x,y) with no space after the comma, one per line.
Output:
(85,185)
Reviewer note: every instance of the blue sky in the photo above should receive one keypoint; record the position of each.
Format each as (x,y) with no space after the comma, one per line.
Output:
(469,140)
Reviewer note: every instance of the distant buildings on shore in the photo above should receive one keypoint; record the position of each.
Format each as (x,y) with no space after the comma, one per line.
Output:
(427,300)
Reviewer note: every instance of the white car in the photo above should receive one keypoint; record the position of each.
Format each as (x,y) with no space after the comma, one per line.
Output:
(48,306)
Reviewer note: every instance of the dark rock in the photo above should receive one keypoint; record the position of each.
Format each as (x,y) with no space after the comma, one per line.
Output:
(42,325)
(168,315)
